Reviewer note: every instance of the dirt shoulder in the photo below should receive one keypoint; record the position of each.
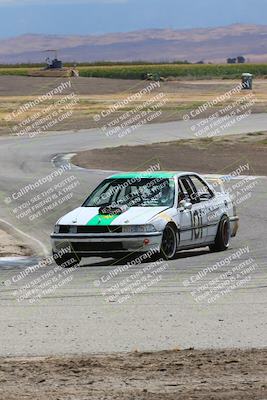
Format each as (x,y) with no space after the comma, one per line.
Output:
(168,375)
(97,96)
(218,155)
(10,246)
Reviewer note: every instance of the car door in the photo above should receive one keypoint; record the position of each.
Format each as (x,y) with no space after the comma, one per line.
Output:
(203,209)
(190,220)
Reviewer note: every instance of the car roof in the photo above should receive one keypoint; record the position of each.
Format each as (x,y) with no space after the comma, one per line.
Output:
(147,174)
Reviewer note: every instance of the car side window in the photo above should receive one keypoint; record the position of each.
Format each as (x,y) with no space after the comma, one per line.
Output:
(201,189)
(186,191)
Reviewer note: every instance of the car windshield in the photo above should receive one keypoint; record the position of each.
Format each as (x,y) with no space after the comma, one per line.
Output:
(134,192)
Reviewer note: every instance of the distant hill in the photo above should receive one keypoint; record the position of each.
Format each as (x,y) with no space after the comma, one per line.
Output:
(207,44)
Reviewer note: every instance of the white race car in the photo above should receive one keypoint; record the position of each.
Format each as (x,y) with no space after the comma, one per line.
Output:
(137,212)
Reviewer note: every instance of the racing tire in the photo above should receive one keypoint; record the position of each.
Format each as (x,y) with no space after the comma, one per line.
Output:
(223,236)
(67,260)
(169,244)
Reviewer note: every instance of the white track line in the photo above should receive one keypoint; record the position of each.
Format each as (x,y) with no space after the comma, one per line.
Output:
(67,158)
(41,245)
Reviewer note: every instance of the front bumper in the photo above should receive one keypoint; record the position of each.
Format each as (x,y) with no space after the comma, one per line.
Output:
(103,244)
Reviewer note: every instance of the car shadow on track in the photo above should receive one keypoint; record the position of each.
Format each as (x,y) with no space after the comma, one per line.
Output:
(130,259)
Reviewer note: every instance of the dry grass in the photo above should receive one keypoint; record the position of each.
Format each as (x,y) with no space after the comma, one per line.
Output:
(179,98)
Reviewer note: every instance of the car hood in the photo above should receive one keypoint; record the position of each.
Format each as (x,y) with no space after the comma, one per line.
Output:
(91,216)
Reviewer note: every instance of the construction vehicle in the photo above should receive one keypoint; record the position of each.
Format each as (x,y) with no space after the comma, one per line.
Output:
(54,68)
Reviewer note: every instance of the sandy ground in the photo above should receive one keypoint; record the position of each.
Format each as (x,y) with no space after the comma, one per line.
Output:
(9,246)
(170,375)
(98,94)
(218,155)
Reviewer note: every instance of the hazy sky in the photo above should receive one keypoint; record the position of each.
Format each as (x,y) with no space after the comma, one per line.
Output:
(101,16)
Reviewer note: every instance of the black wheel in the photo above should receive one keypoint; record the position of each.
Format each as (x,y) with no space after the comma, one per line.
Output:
(223,236)
(169,243)
(66,260)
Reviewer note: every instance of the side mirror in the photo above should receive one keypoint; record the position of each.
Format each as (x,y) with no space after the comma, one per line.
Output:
(185,205)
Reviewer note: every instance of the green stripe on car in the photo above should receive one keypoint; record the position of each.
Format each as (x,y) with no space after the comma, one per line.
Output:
(102,220)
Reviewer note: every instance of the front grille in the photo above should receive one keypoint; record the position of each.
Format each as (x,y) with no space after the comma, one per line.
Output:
(99,229)
(96,246)
(90,229)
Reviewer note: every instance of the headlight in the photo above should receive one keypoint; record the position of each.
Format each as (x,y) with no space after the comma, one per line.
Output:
(138,228)
(56,228)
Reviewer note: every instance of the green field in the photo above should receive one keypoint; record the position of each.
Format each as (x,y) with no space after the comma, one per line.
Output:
(180,71)
(131,71)
(15,70)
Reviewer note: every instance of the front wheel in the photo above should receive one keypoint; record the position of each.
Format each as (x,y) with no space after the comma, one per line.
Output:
(66,260)
(223,236)
(169,243)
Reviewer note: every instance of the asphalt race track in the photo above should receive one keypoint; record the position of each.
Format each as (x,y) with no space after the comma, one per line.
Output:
(80,317)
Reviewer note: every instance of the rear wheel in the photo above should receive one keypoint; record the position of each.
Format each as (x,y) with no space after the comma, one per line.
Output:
(223,236)
(169,242)
(66,260)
